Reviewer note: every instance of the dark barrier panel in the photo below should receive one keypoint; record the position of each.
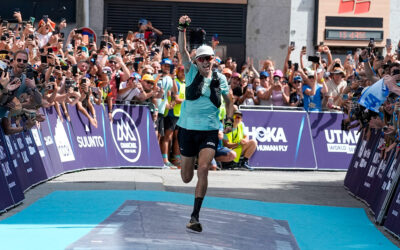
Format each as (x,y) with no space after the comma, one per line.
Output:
(359,166)
(284,139)
(386,188)
(58,146)
(392,222)
(333,146)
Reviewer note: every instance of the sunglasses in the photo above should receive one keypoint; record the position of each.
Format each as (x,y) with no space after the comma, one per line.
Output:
(297,82)
(148,82)
(205,58)
(237,117)
(21,60)
(112,62)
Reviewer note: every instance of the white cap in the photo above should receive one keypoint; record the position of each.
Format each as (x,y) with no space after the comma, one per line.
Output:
(204,50)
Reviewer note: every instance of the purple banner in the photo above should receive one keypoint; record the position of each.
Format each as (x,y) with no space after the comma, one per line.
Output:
(129,140)
(392,222)
(10,173)
(6,199)
(133,138)
(284,139)
(385,183)
(333,147)
(359,168)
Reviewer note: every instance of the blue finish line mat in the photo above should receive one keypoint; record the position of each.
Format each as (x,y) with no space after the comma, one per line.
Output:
(89,220)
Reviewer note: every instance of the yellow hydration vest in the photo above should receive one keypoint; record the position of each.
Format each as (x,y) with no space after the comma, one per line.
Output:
(177,107)
(235,137)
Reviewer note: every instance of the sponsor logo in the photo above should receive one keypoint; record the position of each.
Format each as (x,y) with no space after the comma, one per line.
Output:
(339,141)
(90,141)
(3,154)
(269,138)
(63,144)
(354,6)
(36,137)
(126,136)
(6,169)
(48,140)
(211,143)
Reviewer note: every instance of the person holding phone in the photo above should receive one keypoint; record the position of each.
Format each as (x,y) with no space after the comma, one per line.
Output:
(165,124)
(278,92)
(199,119)
(336,86)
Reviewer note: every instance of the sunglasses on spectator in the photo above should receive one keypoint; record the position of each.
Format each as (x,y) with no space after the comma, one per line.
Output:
(112,62)
(237,117)
(297,82)
(21,60)
(205,58)
(148,82)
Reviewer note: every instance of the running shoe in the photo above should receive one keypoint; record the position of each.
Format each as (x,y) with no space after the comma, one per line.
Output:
(246,164)
(169,165)
(194,225)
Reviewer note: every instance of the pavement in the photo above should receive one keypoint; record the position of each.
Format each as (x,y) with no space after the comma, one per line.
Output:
(293,187)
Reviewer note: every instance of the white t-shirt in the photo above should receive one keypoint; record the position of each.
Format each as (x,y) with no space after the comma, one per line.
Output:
(263,102)
(128,95)
(43,39)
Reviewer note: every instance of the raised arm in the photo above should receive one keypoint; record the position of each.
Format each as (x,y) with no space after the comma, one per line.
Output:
(184,21)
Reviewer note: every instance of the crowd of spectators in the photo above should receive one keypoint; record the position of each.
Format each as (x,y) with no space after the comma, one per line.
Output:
(41,66)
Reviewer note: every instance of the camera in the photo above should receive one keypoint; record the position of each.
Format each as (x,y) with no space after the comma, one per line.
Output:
(296,67)
(29,73)
(314,59)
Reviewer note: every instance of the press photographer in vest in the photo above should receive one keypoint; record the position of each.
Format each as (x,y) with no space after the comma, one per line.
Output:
(199,119)
(238,141)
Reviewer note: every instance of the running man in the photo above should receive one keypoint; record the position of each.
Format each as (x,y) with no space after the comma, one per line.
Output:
(199,121)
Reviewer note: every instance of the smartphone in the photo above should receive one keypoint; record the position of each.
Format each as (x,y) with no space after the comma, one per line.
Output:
(396,72)
(45,18)
(296,67)
(304,48)
(29,74)
(321,43)
(91,39)
(138,59)
(64,67)
(49,50)
(314,59)
(349,52)
(62,35)
(43,59)
(345,96)
(83,80)
(117,42)
(74,69)
(71,53)
(103,44)
(348,83)
(292,43)
(388,42)
(371,41)
(289,64)
(52,79)
(249,86)
(32,20)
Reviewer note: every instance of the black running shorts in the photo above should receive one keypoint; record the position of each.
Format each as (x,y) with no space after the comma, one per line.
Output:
(192,141)
(170,122)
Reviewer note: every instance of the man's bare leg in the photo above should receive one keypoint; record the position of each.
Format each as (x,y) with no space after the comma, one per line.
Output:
(187,168)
